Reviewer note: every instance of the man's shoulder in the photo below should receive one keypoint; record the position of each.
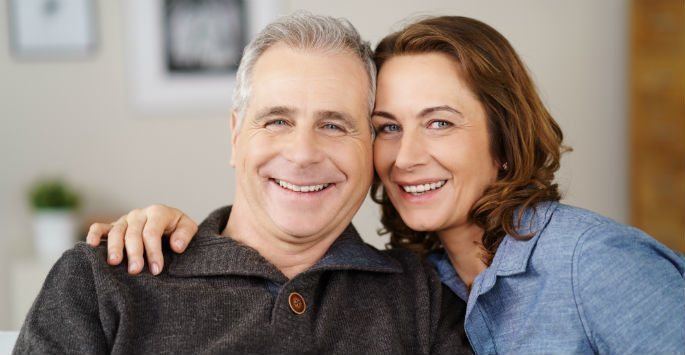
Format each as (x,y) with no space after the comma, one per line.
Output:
(84,258)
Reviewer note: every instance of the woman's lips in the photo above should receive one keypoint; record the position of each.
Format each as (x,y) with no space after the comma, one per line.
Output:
(423,187)
(420,191)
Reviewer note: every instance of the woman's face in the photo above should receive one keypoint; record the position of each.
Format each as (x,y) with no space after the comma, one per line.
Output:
(432,149)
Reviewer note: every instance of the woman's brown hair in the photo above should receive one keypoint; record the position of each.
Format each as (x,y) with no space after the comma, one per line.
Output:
(524,138)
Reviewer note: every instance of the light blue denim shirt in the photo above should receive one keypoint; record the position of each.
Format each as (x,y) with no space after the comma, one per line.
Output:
(582,284)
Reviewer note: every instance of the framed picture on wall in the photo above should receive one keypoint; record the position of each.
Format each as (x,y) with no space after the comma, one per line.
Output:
(204,36)
(183,54)
(52,28)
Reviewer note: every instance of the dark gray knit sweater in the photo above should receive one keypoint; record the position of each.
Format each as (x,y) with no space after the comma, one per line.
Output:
(223,297)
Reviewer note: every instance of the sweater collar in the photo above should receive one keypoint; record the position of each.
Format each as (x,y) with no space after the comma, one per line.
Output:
(211,254)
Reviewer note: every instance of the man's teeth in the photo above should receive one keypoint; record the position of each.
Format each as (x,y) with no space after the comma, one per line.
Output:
(301,188)
(417,189)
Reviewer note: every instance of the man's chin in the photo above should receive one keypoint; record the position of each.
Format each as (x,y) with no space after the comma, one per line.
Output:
(304,226)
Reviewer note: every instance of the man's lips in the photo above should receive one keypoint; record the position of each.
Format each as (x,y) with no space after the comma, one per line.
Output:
(307,187)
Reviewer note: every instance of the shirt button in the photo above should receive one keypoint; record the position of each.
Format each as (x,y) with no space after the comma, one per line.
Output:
(296,302)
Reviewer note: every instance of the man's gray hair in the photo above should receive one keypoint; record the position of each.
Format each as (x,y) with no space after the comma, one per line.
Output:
(302,30)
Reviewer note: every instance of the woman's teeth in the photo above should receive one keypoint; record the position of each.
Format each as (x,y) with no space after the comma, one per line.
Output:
(419,189)
(300,188)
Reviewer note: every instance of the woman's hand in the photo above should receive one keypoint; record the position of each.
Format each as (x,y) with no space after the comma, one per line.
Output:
(141,230)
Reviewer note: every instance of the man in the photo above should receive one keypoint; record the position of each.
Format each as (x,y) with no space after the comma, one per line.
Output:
(282,270)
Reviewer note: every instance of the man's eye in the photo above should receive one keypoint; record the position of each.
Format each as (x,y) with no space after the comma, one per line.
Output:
(332,126)
(276,123)
(439,124)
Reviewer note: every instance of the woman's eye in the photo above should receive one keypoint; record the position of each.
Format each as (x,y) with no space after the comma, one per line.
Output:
(389,128)
(439,124)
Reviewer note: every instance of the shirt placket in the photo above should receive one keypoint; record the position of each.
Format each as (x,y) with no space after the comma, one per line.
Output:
(292,316)
(475,324)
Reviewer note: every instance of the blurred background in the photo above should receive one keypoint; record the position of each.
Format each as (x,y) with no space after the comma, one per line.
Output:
(110,105)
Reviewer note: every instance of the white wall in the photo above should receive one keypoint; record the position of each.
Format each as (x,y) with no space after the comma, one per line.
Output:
(73,118)
(577,53)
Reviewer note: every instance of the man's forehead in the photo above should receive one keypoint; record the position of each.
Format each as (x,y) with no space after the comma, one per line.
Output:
(321,83)
(292,111)
(283,64)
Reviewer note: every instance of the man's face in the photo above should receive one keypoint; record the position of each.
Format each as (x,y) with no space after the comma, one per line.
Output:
(303,153)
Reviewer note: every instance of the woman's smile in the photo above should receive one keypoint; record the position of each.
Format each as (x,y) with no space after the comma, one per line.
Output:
(432,150)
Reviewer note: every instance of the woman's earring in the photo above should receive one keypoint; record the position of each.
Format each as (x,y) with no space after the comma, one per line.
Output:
(505,166)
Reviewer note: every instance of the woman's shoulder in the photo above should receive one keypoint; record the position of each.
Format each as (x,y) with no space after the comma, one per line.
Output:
(620,274)
(580,219)
(555,220)
(595,233)
(578,225)
(588,238)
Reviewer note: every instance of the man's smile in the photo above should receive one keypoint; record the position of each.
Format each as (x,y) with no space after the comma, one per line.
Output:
(306,187)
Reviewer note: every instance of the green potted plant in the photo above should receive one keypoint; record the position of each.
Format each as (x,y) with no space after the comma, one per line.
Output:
(54,205)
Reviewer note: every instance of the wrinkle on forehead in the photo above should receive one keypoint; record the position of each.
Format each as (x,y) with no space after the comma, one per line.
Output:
(310,81)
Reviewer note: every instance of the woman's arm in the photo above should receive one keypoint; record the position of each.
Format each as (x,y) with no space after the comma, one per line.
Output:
(630,292)
(141,230)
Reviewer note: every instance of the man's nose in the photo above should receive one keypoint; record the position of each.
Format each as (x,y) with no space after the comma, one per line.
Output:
(412,152)
(303,147)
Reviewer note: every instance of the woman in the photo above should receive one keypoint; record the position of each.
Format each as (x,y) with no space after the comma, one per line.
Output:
(465,156)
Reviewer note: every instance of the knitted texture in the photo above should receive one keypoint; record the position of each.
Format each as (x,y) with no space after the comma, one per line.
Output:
(215,298)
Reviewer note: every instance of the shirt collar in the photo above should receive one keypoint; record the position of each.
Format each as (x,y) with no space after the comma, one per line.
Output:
(513,254)
(211,254)
(511,257)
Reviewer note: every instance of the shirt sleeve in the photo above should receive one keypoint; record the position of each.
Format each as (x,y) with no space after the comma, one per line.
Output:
(64,317)
(630,292)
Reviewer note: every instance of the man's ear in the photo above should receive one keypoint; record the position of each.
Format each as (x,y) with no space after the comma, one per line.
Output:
(234,135)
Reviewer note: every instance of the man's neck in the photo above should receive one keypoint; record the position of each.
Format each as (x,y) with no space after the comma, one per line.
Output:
(290,255)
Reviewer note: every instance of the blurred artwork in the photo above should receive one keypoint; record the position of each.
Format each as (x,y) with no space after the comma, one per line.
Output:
(52,28)
(183,54)
(203,36)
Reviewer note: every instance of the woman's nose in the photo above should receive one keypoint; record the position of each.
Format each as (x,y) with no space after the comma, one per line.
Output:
(412,152)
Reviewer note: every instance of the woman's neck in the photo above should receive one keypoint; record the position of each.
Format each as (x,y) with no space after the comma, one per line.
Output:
(464,248)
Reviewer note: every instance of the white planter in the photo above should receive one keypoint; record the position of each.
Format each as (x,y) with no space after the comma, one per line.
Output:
(54,231)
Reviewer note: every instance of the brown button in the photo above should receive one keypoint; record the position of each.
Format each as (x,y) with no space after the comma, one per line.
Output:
(296,302)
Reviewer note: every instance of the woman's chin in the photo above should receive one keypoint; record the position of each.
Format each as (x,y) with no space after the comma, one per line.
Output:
(421,223)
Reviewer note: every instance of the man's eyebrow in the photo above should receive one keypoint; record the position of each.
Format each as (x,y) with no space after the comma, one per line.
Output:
(274,111)
(336,116)
(429,110)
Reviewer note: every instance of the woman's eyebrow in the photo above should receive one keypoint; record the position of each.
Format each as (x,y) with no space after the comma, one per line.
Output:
(425,112)
(429,110)
(383,114)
